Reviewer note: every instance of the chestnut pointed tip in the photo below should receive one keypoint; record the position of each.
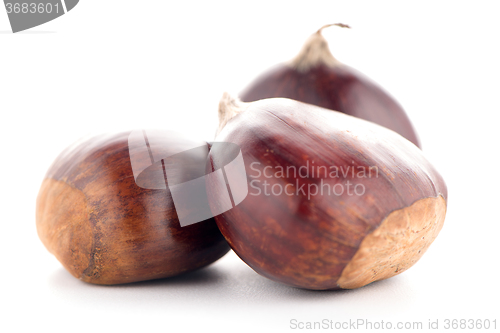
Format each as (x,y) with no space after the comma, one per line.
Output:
(341,25)
(315,52)
(229,107)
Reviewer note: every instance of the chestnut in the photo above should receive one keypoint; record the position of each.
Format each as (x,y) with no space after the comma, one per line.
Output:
(314,76)
(105,210)
(334,201)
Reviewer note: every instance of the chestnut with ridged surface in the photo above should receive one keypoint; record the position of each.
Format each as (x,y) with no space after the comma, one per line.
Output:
(334,202)
(105,229)
(314,76)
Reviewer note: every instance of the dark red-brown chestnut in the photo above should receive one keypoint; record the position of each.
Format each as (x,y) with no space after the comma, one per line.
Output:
(105,229)
(334,201)
(314,76)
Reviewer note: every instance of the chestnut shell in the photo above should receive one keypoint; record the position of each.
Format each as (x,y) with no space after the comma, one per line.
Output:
(105,229)
(308,241)
(333,86)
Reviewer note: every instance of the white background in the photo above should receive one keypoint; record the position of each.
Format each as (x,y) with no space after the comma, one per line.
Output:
(116,64)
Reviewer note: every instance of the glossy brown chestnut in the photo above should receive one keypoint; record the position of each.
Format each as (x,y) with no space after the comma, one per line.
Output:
(105,229)
(314,76)
(334,202)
